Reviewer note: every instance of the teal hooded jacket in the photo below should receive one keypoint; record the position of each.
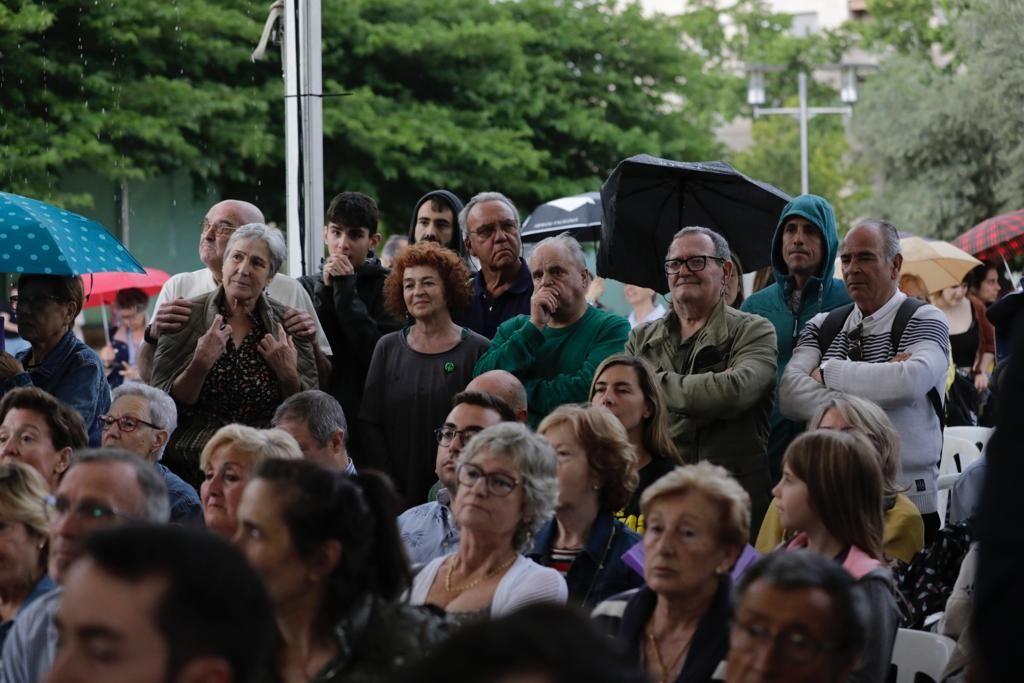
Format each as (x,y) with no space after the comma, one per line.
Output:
(821,293)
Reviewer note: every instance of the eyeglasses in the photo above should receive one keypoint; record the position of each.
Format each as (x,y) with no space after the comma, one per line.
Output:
(498,484)
(87,510)
(221,228)
(445,435)
(694,264)
(794,646)
(126,423)
(856,339)
(33,302)
(485,232)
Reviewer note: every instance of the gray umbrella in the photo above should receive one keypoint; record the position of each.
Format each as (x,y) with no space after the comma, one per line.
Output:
(579,214)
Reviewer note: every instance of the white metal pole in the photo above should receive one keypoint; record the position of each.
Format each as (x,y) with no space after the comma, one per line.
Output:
(802,82)
(311,78)
(291,135)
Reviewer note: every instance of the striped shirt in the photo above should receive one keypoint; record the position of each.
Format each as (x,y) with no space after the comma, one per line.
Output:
(900,388)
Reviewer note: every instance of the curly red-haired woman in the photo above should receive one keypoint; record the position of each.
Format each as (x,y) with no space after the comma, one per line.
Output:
(415,371)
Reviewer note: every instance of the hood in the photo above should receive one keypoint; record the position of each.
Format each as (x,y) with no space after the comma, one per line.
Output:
(452,200)
(369,266)
(818,211)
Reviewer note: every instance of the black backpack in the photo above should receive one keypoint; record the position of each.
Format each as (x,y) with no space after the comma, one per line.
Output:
(836,318)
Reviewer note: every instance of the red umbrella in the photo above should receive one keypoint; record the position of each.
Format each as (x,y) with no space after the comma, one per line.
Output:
(1002,236)
(102,288)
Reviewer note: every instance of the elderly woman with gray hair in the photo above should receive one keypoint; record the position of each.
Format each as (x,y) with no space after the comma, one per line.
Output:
(507,487)
(232,362)
(141,420)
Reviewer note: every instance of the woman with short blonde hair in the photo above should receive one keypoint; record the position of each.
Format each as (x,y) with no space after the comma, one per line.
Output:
(228,461)
(23,537)
(698,521)
(596,476)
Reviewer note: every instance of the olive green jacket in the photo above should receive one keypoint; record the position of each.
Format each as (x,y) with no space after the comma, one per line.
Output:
(174,351)
(720,396)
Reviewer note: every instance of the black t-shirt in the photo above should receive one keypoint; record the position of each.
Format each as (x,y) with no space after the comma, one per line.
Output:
(649,473)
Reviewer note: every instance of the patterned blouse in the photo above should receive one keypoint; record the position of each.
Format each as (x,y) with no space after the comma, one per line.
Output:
(241,387)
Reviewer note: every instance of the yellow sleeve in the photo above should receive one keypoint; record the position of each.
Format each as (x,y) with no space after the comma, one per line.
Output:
(771,533)
(904,530)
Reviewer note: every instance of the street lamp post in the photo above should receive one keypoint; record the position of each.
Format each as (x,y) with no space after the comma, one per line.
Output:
(802,112)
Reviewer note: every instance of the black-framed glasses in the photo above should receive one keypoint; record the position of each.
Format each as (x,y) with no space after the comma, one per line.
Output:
(486,232)
(445,435)
(794,646)
(33,302)
(498,484)
(126,423)
(86,510)
(221,228)
(856,339)
(694,264)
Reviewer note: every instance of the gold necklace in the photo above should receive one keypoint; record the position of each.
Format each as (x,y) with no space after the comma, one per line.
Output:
(472,584)
(665,673)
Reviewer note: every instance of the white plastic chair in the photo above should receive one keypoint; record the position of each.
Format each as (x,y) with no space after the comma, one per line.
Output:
(919,652)
(957,453)
(979,436)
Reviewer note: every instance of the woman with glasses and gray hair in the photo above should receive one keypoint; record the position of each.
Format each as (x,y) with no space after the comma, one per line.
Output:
(23,541)
(232,362)
(506,489)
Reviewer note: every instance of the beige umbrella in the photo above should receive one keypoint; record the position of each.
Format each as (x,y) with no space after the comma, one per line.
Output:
(938,263)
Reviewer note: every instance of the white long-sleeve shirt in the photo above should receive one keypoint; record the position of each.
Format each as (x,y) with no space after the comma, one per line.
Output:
(900,388)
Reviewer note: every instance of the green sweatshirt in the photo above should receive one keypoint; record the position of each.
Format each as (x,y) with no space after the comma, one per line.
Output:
(555,365)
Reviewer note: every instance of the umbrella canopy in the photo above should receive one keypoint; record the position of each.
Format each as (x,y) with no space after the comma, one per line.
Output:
(647,200)
(102,288)
(939,264)
(999,237)
(579,214)
(40,238)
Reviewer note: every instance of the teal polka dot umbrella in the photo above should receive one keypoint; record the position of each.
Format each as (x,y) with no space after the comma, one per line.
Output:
(40,238)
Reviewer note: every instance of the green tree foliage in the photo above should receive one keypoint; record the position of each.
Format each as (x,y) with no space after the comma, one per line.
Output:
(131,89)
(947,145)
(537,98)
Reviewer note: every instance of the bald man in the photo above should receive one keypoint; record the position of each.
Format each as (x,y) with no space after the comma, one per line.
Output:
(172,304)
(504,385)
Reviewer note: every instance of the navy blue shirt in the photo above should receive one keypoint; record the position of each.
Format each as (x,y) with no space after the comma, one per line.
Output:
(484,314)
(185,507)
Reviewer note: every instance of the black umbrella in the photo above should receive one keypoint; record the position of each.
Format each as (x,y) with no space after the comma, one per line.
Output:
(647,200)
(579,214)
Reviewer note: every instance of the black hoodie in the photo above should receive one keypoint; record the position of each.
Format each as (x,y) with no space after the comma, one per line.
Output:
(452,200)
(352,313)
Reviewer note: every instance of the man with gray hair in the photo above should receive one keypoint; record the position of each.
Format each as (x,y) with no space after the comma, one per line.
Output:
(103,488)
(502,287)
(317,421)
(556,348)
(141,420)
(716,365)
(173,304)
(884,347)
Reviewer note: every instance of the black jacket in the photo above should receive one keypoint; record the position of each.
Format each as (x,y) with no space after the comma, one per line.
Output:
(351,311)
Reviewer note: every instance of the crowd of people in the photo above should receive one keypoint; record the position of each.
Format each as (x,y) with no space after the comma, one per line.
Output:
(399,468)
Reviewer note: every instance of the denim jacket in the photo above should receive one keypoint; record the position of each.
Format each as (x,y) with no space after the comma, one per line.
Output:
(73,373)
(598,571)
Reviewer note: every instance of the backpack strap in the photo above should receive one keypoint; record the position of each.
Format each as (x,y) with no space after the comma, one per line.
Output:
(836,318)
(831,325)
(904,313)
